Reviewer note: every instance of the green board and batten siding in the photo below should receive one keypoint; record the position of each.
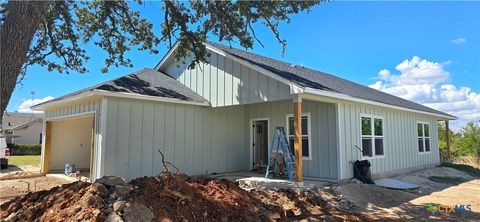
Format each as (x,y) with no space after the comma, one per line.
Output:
(225,82)
(201,140)
(400,138)
(74,108)
(195,139)
(323,132)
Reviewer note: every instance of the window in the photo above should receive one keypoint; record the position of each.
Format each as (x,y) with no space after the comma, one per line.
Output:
(372,136)
(306,142)
(423,132)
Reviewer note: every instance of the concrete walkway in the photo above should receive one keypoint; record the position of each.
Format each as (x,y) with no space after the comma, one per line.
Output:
(464,193)
(253,180)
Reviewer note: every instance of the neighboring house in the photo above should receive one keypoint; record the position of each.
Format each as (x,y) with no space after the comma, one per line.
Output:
(207,120)
(22,128)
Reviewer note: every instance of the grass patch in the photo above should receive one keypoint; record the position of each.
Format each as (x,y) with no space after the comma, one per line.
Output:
(447,180)
(472,171)
(24,160)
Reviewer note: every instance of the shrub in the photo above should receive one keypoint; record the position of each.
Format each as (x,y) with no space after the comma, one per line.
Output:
(26,149)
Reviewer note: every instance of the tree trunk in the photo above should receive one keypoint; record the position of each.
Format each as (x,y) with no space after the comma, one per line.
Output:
(16,34)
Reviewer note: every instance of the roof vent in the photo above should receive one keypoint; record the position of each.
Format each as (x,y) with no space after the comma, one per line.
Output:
(297,66)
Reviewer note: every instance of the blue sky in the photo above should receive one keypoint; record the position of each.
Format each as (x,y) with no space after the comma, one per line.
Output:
(423,51)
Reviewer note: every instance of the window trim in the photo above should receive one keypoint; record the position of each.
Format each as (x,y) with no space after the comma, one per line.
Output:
(309,135)
(424,137)
(372,136)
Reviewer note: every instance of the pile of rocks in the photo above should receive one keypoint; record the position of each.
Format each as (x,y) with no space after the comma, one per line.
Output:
(104,200)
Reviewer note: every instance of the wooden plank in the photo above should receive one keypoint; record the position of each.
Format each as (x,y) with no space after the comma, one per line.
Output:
(48,147)
(297,127)
(447,137)
(91,149)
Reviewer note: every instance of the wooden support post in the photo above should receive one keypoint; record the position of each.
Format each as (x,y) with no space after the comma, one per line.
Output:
(297,128)
(48,147)
(447,137)
(91,149)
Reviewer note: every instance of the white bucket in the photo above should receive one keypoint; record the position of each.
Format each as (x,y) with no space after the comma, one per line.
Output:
(69,168)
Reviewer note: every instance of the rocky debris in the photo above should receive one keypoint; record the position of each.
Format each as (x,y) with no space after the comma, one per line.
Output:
(100,189)
(173,197)
(113,217)
(118,206)
(111,181)
(120,192)
(346,205)
(75,201)
(11,217)
(137,212)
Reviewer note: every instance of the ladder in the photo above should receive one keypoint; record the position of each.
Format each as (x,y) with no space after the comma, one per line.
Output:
(280,146)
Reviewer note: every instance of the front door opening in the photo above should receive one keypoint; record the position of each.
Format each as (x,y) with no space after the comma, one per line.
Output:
(260,144)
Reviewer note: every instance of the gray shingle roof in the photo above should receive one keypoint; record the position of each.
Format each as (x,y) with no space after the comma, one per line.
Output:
(147,82)
(323,81)
(12,120)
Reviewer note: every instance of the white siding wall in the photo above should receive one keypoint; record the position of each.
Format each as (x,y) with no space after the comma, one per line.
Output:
(400,139)
(323,132)
(74,108)
(224,82)
(29,134)
(196,139)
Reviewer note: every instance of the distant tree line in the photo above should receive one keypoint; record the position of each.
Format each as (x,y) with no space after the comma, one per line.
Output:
(466,142)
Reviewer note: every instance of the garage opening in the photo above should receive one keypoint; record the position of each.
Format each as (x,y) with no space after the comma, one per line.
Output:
(70,142)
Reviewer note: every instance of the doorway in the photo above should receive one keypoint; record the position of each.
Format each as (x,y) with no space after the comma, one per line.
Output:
(260,143)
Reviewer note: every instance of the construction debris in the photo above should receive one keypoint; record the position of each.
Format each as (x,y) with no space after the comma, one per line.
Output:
(173,197)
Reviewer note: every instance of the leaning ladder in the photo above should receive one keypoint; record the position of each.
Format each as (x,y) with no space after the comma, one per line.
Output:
(280,145)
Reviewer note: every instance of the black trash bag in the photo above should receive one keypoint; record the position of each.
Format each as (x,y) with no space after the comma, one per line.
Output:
(362,172)
(3,163)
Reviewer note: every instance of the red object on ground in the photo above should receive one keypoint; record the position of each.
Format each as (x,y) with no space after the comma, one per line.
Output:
(7,152)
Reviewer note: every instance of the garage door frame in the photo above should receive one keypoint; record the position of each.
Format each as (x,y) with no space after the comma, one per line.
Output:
(47,146)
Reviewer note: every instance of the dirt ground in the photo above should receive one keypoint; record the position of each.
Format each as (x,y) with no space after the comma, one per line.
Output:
(18,187)
(17,172)
(176,197)
(380,203)
(170,197)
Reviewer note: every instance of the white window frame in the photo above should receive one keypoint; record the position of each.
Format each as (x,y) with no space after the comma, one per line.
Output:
(424,137)
(309,134)
(372,136)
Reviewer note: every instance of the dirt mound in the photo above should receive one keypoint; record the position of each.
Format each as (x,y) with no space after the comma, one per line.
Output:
(171,197)
(177,197)
(73,201)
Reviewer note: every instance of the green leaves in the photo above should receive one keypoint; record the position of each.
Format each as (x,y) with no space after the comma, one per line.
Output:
(116,28)
(69,25)
(464,143)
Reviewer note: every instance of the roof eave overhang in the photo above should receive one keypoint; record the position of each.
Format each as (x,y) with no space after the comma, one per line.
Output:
(148,98)
(48,104)
(298,89)
(339,96)
(103,93)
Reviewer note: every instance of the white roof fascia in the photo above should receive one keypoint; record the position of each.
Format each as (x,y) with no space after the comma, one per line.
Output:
(41,107)
(370,102)
(145,97)
(167,56)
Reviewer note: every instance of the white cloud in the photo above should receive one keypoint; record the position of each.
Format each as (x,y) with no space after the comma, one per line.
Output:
(459,41)
(425,82)
(24,107)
